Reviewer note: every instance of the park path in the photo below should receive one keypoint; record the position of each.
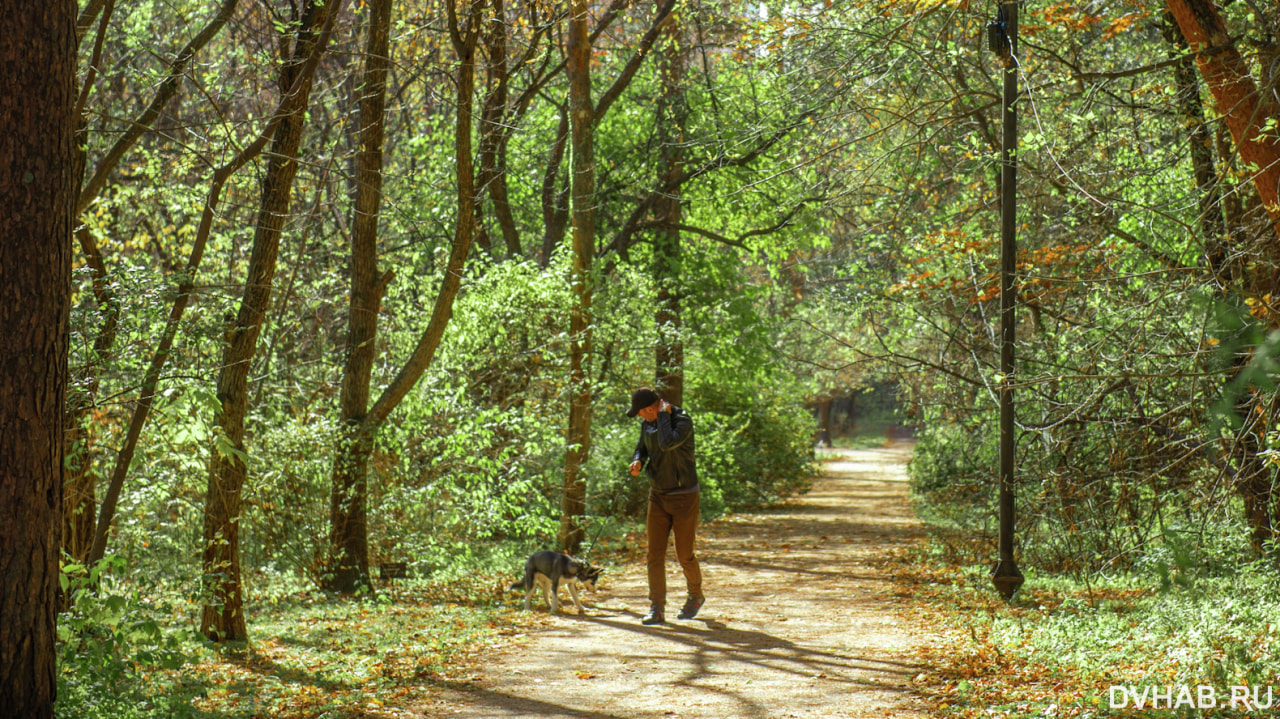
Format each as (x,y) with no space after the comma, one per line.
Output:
(799,622)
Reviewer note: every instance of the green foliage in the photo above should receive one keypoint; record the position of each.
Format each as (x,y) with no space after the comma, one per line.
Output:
(752,455)
(117,647)
(611,490)
(952,470)
(1059,646)
(287,495)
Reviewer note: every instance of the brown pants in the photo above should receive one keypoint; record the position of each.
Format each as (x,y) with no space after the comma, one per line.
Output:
(668,513)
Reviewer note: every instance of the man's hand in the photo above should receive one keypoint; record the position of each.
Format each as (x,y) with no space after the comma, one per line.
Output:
(664,406)
(635,468)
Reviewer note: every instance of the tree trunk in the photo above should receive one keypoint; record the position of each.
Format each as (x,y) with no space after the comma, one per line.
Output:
(824,422)
(348,539)
(1237,97)
(351,464)
(581,121)
(80,485)
(555,214)
(223,615)
(492,178)
(37,129)
(1246,112)
(79,525)
(79,501)
(672,115)
(1212,225)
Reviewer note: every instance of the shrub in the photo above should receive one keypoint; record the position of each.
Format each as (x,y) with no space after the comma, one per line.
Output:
(753,455)
(113,643)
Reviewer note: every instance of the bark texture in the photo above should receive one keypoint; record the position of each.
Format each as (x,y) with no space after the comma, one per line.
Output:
(186,287)
(672,115)
(353,455)
(582,123)
(1200,144)
(349,544)
(37,129)
(1252,268)
(494,132)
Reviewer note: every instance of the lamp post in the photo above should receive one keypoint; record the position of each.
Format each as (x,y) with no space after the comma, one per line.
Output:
(1002,36)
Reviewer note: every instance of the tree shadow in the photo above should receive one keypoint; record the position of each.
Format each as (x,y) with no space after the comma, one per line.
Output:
(513,705)
(712,657)
(262,665)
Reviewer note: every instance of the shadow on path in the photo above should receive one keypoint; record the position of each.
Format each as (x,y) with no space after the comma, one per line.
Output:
(798,623)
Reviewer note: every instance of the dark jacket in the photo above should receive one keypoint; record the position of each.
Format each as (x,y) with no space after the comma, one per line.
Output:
(666,448)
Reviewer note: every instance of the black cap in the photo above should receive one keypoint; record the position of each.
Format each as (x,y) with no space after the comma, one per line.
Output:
(640,399)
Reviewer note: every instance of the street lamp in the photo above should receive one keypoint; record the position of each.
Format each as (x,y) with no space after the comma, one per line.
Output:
(1002,37)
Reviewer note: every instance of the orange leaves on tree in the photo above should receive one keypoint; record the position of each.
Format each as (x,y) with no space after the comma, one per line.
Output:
(947,271)
(1067,16)
(1122,24)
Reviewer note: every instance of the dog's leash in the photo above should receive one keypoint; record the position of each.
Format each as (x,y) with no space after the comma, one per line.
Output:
(600,530)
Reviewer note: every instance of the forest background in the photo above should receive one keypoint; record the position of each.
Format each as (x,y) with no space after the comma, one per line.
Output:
(369,282)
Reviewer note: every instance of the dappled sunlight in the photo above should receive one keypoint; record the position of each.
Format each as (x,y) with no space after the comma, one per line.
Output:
(800,619)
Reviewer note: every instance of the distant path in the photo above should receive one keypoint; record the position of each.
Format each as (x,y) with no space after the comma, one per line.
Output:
(798,622)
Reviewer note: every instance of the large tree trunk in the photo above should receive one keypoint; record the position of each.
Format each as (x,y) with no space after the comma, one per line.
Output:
(348,539)
(37,128)
(581,121)
(672,116)
(357,443)
(223,615)
(1236,95)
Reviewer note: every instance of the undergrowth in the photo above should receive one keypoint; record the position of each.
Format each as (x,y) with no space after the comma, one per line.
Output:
(1066,647)
(131,651)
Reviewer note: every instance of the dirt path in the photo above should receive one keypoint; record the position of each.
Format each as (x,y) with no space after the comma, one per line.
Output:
(798,622)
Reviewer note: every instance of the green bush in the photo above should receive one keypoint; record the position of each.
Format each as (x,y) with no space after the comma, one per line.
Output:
(114,645)
(610,487)
(752,455)
(952,470)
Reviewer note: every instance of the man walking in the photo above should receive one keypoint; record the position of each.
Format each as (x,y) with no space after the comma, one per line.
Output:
(665,451)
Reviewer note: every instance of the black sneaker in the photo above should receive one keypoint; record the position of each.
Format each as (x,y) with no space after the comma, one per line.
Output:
(691,607)
(654,616)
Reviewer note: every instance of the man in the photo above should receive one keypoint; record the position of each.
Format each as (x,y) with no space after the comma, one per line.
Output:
(665,451)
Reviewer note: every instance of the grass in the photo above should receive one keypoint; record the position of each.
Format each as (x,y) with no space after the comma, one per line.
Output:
(311,655)
(870,433)
(317,656)
(1061,645)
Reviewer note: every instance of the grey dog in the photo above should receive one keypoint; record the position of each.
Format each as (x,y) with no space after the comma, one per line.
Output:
(548,570)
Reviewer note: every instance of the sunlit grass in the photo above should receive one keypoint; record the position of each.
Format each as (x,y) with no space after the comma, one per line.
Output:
(314,655)
(1061,644)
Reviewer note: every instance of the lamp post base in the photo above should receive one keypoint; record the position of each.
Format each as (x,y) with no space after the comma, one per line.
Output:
(1006,577)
